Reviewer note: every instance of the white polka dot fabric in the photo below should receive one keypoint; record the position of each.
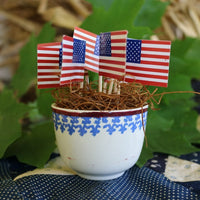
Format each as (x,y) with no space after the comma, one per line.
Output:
(136,183)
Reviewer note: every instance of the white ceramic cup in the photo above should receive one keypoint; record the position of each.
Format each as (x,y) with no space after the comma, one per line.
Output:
(99,145)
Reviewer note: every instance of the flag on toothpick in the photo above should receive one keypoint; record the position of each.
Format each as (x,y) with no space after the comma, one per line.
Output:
(92,48)
(48,61)
(73,60)
(112,60)
(147,62)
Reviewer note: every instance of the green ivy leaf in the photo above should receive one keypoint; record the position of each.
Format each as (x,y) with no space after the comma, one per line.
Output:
(165,135)
(34,114)
(193,52)
(181,47)
(146,154)
(171,142)
(188,127)
(103,3)
(27,71)
(150,14)
(47,34)
(36,145)
(115,15)
(44,102)
(11,112)
(158,122)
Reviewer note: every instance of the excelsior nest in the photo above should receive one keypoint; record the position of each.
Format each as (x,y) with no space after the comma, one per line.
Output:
(131,95)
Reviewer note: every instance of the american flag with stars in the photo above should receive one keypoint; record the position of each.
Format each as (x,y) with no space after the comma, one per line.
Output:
(73,60)
(48,62)
(112,59)
(92,48)
(147,62)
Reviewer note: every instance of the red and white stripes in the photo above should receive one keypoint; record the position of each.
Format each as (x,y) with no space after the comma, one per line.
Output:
(48,73)
(91,59)
(114,66)
(107,54)
(71,72)
(153,68)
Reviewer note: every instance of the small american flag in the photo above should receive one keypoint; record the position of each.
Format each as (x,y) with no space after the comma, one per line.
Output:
(48,61)
(92,48)
(73,60)
(147,62)
(112,60)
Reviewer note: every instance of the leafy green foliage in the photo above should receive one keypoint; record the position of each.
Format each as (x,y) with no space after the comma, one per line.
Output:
(44,102)
(36,145)
(115,15)
(11,112)
(146,154)
(28,61)
(20,133)
(103,3)
(151,11)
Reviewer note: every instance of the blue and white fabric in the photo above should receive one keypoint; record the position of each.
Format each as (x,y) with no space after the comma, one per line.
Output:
(144,183)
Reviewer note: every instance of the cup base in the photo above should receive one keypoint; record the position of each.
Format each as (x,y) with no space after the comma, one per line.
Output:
(101,177)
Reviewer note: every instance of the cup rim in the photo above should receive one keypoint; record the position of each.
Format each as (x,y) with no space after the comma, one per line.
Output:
(97,113)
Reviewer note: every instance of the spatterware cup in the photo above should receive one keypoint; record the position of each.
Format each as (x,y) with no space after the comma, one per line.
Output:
(99,145)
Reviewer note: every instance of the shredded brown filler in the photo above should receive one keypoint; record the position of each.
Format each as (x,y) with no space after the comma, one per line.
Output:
(132,95)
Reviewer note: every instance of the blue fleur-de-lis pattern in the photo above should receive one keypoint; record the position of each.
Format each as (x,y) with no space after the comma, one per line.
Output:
(93,125)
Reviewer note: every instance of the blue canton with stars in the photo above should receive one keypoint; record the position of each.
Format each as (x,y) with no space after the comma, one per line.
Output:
(105,44)
(90,125)
(133,52)
(97,44)
(79,51)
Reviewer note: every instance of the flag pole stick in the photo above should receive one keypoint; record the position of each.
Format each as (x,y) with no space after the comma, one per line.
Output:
(87,79)
(111,86)
(81,85)
(100,83)
(115,90)
(105,86)
(70,86)
(118,89)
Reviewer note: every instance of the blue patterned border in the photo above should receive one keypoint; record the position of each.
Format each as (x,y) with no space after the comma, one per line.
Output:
(91,125)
